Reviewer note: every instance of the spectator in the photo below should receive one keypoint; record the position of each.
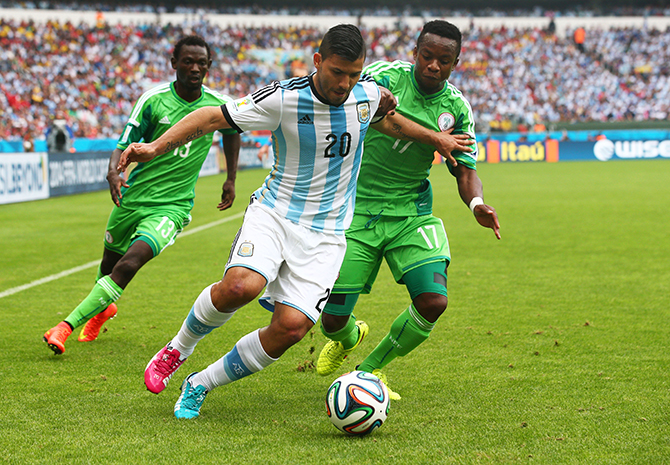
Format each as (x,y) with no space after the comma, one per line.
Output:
(96,72)
(59,136)
(580,36)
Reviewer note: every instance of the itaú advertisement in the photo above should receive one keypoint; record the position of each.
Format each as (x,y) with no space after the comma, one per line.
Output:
(23,177)
(494,151)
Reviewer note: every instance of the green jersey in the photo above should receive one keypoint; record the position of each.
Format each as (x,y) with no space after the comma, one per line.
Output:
(171,177)
(393,180)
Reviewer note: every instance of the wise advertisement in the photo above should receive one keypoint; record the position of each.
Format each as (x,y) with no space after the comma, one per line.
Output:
(606,150)
(23,177)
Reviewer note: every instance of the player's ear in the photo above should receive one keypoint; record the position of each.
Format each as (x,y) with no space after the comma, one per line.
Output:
(318,59)
(173,61)
(414,52)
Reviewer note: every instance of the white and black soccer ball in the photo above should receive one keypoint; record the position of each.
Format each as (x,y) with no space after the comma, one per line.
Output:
(357,403)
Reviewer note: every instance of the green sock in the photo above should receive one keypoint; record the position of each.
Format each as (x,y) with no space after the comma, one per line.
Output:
(100,275)
(347,335)
(408,331)
(103,293)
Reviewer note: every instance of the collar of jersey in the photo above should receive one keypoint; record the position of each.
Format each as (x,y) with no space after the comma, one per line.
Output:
(423,94)
(317,94)
(174,92)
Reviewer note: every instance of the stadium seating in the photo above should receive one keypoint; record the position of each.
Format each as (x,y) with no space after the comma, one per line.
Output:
(514,78)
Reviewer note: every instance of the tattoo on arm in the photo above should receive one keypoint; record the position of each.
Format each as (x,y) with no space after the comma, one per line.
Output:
(397,128)
(171,145)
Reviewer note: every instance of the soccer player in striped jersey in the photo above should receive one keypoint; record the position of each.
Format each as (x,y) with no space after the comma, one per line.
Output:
(153,206)
(292,238)
(393,215)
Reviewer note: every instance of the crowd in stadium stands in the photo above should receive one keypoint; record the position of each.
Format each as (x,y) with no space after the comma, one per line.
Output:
(213,7)
(513,78)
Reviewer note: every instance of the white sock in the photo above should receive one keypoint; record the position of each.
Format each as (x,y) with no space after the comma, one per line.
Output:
(201,320)
(246,358)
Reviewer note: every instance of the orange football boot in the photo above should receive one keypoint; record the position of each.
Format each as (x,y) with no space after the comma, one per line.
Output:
(91,329)
(56,337)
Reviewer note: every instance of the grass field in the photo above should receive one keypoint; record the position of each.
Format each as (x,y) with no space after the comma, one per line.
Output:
(554,348)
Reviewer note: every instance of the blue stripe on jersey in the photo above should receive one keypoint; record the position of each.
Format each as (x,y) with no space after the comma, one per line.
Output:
(361,96)
(307,135)
(338,124)
(273,179)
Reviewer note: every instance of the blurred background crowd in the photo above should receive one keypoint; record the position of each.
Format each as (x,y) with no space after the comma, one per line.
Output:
(354,8)
(516,79)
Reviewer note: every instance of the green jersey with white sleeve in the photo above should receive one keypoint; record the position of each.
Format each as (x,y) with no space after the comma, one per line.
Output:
(393,180)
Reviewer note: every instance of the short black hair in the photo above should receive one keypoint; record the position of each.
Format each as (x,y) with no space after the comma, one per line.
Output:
(443,29)
(191,40)
(344,40)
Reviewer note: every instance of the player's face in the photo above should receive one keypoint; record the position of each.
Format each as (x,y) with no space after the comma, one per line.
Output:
(192,66)
(336,76)
(435,58)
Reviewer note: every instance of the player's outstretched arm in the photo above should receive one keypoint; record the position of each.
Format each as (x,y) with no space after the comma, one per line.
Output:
(397,126)
(194,125)
(231,150)
(472,193)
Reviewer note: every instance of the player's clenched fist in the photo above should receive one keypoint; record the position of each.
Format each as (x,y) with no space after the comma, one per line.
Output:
(138,152)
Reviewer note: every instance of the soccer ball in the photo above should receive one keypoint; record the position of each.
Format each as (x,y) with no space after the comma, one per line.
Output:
(357,403)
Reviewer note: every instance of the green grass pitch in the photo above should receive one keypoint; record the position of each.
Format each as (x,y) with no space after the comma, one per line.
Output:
(554,348)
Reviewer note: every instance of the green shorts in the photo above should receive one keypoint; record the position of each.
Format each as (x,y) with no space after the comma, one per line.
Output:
(157,226)
(406,243)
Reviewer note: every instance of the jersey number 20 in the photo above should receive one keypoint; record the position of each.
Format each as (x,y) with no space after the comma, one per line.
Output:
(345,144)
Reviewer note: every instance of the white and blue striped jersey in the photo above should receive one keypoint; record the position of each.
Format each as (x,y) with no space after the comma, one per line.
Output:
(317,148)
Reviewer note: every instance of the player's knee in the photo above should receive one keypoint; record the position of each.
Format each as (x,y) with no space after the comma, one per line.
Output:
(333,323)
(431,305)
(230,294)
(125,270)
(291,331)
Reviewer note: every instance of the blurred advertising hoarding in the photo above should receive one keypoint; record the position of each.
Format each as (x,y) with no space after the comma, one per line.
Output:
(552,150)
(35,176)
(23,177)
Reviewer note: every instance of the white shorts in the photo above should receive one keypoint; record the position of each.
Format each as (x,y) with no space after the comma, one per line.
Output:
(299,264)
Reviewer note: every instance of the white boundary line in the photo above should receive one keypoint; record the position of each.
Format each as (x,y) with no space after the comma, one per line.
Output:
(88,265)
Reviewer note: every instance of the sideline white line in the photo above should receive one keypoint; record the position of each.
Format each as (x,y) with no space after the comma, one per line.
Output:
(88,265)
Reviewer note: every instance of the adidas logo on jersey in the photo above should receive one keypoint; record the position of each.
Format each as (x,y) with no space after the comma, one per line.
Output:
(164,120)
(305,120)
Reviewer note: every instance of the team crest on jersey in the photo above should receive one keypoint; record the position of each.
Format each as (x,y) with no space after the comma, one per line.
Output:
(246,249)
(445,121)
(363,112)
(243,104)
(108,237)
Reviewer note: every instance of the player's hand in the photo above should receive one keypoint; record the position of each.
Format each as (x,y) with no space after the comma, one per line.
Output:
(227,195)
(387,102)
(486,216)
(136,152)
(446,142)
(115,183)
